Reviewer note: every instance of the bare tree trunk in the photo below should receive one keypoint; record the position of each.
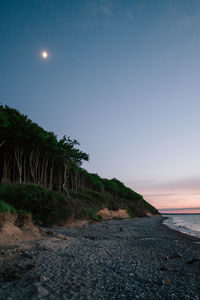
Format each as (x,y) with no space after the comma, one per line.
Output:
(79,182)
(34,163)
(5,168)
(24,179)
(51,175)
(76,180)
(65,185)
(32,167)
(41,171)
(37,158)
(71,182)
(45,171)
(18,158)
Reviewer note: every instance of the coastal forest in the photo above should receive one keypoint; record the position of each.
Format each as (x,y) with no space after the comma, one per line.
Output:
(43,175)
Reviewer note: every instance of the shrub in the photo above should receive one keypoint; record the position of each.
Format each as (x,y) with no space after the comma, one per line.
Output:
(94,182)
(4,207)
(45,206)
(50,207)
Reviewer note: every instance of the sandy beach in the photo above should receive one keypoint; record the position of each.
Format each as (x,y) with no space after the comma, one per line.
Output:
(118,259)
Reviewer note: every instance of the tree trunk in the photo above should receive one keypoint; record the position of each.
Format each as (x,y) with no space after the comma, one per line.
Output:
(24,179)
(65,185)
(34,164)
(45,171)
(18,158)
(5,168)
(51,175)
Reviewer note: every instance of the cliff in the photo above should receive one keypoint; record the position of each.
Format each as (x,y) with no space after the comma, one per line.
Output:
(42,176)
(15,228)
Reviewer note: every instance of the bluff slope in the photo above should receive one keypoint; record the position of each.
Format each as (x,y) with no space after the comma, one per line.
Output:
(42,176)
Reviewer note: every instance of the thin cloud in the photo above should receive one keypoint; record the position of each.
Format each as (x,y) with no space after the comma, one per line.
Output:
(95,11)
(180,18)
(95,8)
(128,13)
(105,7)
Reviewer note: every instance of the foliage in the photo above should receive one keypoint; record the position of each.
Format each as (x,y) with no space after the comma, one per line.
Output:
(43,176)
(4,207)
(93,181)
(49,207)
(31,154)
(45,206)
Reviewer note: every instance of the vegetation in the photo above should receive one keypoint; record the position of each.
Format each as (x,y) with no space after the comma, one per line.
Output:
(43,176)
(4,207)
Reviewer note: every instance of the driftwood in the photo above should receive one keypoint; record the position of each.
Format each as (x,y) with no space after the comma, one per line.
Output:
(174,256)
(193,261)
(2,143)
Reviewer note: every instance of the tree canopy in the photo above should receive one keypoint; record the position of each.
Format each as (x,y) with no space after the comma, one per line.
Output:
(31,154)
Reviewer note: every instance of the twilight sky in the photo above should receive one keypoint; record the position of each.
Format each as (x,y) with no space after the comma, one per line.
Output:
(122,77)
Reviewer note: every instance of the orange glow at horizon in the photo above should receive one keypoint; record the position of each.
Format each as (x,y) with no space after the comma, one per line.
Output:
(181,195)
(164,199)
(180,211)
(179,200)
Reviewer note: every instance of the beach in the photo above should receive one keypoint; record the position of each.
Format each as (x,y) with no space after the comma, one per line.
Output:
(118,259)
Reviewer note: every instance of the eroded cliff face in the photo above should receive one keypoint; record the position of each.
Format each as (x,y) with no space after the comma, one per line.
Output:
(107,214)
(15,228)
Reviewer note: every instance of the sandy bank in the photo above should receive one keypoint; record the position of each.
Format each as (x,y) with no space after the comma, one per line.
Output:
(16,228)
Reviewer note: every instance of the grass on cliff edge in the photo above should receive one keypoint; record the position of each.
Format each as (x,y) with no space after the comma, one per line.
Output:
(47,207)
(4,207)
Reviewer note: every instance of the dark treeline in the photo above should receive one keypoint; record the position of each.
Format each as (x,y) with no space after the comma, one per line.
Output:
(28,153)
(35,166)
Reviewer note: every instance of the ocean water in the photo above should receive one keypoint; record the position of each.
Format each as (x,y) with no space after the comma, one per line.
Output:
(189,223)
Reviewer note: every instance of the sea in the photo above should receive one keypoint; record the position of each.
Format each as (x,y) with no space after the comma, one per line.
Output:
(186,223)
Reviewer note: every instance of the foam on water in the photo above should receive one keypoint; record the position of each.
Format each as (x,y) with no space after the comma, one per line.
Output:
(186,223)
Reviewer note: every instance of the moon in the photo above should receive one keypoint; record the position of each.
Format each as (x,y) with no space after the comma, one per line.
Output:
(44,54)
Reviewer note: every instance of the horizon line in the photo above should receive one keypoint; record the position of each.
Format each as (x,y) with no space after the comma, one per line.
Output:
(185,208)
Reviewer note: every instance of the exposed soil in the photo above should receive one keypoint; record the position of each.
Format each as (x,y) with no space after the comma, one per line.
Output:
(108,214)
(16,228)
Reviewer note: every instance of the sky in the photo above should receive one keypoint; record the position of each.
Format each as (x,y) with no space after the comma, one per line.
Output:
(121,77)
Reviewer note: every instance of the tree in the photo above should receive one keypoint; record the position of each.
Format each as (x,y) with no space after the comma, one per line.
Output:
(32,154)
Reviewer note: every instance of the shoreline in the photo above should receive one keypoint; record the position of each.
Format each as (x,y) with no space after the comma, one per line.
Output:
(138,258)
(187,233)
